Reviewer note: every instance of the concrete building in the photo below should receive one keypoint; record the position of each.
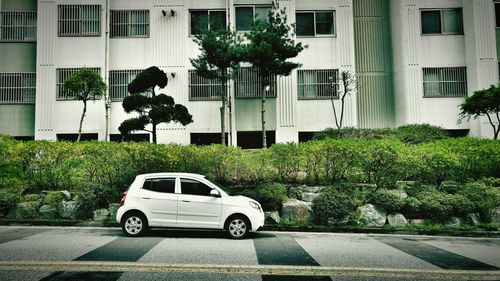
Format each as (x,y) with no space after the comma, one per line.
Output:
(414,61)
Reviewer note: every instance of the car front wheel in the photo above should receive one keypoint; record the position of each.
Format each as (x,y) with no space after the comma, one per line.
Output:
(238,227)
(134,224)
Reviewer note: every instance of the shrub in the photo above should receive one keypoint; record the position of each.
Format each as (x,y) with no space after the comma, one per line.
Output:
(356,134)
(412,207)
(54,199)
(270,195)
(435,205)
(482,198)
(285,158)
(336,202)
(313,154)
(341,158)
(30,198)
(379,163)
(390,201)
(420,133)
(9,198)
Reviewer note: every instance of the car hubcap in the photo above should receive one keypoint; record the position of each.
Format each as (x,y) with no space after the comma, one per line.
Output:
(237,228)
(133,225)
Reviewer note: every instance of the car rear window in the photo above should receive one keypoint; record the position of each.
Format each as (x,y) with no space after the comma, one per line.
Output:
(164,185)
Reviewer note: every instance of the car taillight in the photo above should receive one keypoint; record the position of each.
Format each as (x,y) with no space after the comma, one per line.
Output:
(124,195)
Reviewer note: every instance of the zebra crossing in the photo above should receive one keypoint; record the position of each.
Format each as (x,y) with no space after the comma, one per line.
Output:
(57,253)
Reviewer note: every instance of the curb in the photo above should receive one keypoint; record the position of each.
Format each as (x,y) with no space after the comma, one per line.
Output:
(325,229)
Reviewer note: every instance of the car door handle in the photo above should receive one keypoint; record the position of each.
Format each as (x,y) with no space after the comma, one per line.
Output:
(146,198)
(187,201)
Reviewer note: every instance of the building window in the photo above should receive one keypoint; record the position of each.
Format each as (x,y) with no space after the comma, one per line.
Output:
(17,26)
(317,84)
(203,88)
(17,87)
(248,84)
(245,16)
(79,20)
(443,21)
(118,83)
(203,20)
(497,14)
(129,23)
(62,75)
(315,23)
(445,82)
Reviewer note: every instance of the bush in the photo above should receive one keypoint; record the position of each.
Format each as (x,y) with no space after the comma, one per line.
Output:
(356,134)
(341,158)
(285,158)
(390,201)
(270,195)
(30,198)
(435,205)
(420,133)
(54,199)
(379,163)
(336,202)
(8,199)
(481,197)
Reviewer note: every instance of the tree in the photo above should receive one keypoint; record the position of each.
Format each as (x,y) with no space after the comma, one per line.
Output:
(483,102)
(270,45)
(84,85)
(221,53)
(347,83)
(152,109)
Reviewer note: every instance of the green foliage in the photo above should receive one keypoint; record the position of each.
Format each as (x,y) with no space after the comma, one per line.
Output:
(30,198)
(340,159)
(485,102)
(270,195)
(435,205)
(85,84)
(379,163)
(285,159)
(54,199)
(147,80)
(356,134)
(420,133)
(336,202)
(482,198)
(9,197)
(388,200)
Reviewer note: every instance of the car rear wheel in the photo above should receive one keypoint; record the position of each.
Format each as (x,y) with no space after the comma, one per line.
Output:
(134,224)
(238,227)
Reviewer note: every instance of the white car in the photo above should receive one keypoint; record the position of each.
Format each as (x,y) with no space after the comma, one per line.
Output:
(182,200)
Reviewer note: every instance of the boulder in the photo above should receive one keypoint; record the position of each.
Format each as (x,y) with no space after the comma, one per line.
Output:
(100,214)
(449,186)
(113,208)
(296,210)
(68,209)
(66,194)
(339,222)
(309,196)
(398,192)
(24,210)
(47,212)
(474,219)
(272,217)
(371,216)
(405,185)
(312,189)
(495,215)
(301,176)
(452,222)
(397,220)
(417,221)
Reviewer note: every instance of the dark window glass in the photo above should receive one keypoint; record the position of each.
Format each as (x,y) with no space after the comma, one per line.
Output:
(452,21)
(199,22)
(193,187)
(305,24)
(497,13)
(244,18)
(324,23)
(160,185)
(431,22)
(217,20)
(261,13)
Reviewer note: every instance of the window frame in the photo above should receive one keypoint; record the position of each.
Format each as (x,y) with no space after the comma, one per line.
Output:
(440,82)
(253,14)
(79,20)
(272,93)
(23,91)
(316,35)
(190,33)
(192,72)
(129,24)
(335,71)
(24,27)
(441,10)
(60,96)
(118,87)
(195,180)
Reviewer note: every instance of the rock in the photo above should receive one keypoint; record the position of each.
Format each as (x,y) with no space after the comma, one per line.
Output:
(452,222)
(66,194)
(371,216)
(495,215)
(397,220)
(24,210)
(400,193)
(113,208)
(301,176)
(312,189)
(449,186)
(100,214)
(339,222)
(405,185)
(272,217)
(295,192)
(68,209)
(365,186)
(47,212)
(474,219)
(309,197)
(296,210)
(417,221)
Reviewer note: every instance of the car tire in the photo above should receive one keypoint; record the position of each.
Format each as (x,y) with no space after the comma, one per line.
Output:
(237,227)
(134,224)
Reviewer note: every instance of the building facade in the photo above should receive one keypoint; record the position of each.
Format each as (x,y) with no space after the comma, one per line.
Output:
(414,61)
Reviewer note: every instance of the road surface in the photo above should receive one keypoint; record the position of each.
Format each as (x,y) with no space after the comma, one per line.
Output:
(73,253)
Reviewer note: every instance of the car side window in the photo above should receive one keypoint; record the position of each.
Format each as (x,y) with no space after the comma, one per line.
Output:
(163,185)
(193,187)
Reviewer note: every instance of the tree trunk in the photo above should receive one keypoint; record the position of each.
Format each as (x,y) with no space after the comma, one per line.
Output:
(154,132)
(223,114)
(81,120)
(263,115)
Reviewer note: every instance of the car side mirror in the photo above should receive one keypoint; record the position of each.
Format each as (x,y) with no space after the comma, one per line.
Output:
(215,193)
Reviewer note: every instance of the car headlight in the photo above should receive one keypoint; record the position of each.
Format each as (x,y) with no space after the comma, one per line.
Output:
(254,205)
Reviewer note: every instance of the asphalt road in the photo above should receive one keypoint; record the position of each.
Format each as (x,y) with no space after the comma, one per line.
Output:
(70,253)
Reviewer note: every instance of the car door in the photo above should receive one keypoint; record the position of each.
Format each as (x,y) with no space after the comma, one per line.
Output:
(196,207)
(159,197)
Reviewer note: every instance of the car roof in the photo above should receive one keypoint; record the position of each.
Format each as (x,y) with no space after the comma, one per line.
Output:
(172,174)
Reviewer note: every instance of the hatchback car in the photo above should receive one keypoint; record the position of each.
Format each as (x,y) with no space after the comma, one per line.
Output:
(182,200)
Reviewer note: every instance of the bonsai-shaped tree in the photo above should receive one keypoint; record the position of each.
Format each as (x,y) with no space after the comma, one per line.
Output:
(84,85)
(483,102)
(347,82)
(221,53)
(270,45)
(152,109)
